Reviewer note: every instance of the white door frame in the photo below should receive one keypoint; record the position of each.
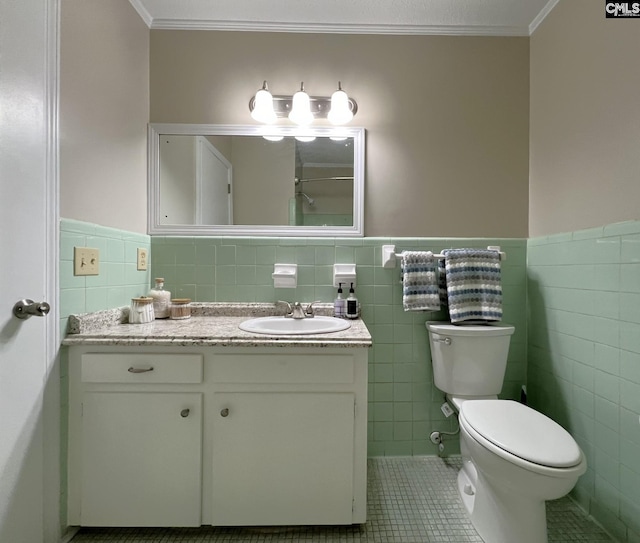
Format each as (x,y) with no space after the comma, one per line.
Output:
(51,399)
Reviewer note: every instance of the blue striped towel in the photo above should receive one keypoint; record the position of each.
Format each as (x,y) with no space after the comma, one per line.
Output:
(474,288)
(442,283)
(419,281)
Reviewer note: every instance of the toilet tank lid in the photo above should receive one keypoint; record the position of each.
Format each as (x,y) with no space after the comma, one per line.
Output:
(489,329)
(523,432)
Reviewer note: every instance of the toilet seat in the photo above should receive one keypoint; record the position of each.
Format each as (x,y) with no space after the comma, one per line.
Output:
(514,430)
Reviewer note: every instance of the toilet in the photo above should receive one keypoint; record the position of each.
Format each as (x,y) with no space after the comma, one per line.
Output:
(513,457)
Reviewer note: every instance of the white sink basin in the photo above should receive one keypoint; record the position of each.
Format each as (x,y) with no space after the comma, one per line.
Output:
(277,326)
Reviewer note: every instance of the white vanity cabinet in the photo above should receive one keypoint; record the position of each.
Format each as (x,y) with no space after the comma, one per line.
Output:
(213,435)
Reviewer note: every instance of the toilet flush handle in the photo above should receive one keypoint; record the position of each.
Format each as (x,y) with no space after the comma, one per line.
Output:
(446,340)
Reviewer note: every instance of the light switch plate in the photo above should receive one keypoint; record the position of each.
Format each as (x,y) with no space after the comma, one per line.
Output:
(86,261)
(143,257)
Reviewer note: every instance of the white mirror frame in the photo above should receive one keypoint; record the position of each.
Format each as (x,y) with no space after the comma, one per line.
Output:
(153,199)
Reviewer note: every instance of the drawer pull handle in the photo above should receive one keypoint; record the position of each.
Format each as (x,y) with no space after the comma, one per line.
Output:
(224,412)
(139,370)
(184,413)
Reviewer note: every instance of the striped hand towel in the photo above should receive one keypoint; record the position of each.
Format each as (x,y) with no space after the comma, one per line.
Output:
(474,289)
(419,281)
(442,283)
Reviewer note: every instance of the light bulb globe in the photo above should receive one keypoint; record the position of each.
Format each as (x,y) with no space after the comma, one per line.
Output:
(340,112)
(263,111)
(301,109)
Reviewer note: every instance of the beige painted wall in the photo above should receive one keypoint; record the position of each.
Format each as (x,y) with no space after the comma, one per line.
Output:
(177,170)
(104,110)
(447,118)
(272,164)
(585,120)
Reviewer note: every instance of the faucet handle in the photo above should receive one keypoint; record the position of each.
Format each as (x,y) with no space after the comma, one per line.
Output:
(289,308)
(309,311)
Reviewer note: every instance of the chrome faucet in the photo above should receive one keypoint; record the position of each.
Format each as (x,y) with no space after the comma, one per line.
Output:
(296,311)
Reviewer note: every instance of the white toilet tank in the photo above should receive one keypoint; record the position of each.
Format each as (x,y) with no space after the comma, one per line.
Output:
(469,360)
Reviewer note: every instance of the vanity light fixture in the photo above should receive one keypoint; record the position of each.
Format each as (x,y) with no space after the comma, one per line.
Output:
(340,112)
(263,106)
(300,113)
(301,108)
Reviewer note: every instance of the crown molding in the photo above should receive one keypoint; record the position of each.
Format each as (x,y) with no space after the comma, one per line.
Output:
(142,11)
(542,15)
(321,28)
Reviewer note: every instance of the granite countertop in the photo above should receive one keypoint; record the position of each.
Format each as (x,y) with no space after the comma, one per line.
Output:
(210,324)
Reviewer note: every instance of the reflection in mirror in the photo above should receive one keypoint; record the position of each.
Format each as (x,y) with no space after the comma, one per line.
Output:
(251,180)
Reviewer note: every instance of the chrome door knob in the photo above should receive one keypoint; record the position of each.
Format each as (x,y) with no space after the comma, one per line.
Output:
(224,412)
(28,308)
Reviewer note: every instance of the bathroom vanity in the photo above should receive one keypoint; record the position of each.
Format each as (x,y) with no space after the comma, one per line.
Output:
(185,423)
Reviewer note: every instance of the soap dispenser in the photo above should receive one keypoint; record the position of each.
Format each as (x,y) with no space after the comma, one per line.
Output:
(353,308)
(340,304)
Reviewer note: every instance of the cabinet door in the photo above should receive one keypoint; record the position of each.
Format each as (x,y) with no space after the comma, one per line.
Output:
(141,459)
(283,458)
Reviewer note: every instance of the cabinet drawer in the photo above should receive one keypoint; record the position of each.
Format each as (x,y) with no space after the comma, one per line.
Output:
(141,368)
(284,368)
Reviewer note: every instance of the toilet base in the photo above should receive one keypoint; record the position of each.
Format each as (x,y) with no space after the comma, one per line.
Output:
(498,516)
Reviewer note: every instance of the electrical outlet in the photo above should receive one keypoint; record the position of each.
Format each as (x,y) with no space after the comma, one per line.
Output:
(86,261)
(143,257)
(446,409)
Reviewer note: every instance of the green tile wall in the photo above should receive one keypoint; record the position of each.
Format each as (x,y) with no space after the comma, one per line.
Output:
(117,283)
(404,406)
(584,360)
(574,299)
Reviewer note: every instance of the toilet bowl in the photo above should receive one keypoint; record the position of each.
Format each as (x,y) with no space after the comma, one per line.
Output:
(514,459)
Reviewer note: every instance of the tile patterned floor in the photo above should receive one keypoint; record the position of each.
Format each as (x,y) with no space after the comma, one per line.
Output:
(410,500)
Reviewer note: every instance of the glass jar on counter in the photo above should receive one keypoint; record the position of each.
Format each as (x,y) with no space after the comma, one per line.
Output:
(180,308)
(141,310)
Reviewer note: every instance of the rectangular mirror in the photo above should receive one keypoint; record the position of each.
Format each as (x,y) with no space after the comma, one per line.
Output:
(255,180)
